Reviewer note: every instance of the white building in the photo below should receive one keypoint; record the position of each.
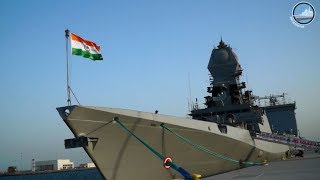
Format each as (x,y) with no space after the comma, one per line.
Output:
(87,165)
(59,164)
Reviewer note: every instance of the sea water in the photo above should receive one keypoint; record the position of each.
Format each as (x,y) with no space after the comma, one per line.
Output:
(82,174)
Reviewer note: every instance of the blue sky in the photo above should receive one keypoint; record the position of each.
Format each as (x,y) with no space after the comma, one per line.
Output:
(149,48)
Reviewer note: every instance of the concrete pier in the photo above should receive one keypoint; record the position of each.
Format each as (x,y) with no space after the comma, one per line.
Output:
(291,169)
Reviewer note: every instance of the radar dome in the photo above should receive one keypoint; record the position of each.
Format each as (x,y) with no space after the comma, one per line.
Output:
(220,56)
(223,62)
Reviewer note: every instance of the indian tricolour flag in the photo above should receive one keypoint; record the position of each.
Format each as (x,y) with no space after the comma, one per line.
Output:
(85,48)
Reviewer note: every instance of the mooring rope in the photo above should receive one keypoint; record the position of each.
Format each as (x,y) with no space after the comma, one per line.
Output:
(215,154)
(183,172)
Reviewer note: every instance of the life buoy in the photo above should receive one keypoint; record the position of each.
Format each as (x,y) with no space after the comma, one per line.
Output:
(165,161)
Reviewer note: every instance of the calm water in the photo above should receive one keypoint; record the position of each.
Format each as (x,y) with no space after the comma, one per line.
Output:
(76,174)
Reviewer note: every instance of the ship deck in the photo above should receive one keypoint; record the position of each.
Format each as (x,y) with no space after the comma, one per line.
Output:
(307,167)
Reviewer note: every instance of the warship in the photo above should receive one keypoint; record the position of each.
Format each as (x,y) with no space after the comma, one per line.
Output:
(231,132)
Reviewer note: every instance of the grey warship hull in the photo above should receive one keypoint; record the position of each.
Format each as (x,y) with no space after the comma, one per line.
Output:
(230,132)
(119,156)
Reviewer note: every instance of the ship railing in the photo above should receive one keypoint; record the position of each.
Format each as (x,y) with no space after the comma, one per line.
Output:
(288,140)
(273,100)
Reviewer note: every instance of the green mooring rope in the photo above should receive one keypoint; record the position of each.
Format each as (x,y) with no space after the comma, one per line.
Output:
(183,172)
(209,151)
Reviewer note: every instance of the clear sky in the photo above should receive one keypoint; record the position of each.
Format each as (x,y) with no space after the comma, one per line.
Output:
(149,48)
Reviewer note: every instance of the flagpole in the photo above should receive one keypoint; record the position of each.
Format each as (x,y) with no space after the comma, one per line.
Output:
(67,52)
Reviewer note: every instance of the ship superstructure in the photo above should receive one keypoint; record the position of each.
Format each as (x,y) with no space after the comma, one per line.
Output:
(281,114)
(228,102)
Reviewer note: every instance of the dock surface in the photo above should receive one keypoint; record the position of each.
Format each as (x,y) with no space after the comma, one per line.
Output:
(291,169)
(307,168)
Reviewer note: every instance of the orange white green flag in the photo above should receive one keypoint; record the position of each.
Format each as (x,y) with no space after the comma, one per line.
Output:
(85,48)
